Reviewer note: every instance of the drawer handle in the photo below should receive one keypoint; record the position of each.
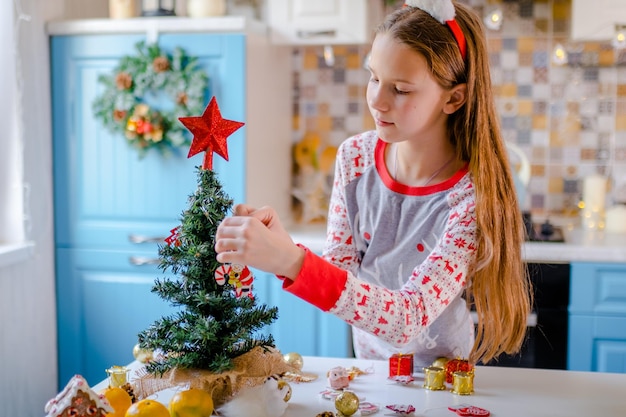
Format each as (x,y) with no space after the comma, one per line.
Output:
(142,260)
(309,34)
(145,239)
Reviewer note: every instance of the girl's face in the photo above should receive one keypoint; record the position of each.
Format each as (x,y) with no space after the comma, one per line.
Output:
(404,99)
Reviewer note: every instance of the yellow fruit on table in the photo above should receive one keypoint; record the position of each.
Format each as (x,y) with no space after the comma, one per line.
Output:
(191,403)
(147,408)
(119,399)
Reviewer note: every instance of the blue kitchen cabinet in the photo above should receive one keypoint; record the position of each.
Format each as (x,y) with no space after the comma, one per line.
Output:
(301,327)
(113,208)
(597,317)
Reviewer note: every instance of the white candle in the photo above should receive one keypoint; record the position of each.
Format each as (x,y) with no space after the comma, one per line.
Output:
(594,193)
(121,9)
(616,219)
(206,8)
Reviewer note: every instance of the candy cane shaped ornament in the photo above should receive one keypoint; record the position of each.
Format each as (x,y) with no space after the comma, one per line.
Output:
(221,274)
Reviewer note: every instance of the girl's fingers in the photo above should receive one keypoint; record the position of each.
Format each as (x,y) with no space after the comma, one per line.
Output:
(243,210)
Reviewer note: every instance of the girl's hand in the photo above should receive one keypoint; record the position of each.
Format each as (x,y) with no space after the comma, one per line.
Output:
(255,237)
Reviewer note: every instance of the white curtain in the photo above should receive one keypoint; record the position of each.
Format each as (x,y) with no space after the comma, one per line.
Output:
(11,141)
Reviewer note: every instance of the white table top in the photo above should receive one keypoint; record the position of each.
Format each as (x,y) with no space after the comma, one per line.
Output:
(506,392)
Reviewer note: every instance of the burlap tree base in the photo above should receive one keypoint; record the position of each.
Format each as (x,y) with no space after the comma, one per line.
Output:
(250,369)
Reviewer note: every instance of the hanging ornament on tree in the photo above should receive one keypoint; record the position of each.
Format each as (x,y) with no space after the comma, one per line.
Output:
(210,132)
(237,276)
(173,238)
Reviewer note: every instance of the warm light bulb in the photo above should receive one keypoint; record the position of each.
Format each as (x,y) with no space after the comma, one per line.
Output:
(329,56)
(619,40)
(559,55)
(493,19)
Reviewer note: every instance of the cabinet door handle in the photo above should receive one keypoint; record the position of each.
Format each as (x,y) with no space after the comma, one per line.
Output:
(308,34)
(145,239)
(142,260)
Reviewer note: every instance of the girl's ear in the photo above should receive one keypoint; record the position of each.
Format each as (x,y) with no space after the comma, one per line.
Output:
(457,97)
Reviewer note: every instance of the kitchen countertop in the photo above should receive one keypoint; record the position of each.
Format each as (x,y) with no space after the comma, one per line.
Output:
(580,245)
(510,392)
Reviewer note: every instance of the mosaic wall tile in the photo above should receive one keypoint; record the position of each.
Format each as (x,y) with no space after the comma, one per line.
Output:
(569,119)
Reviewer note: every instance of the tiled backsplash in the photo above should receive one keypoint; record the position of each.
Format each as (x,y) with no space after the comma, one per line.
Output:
(570,120)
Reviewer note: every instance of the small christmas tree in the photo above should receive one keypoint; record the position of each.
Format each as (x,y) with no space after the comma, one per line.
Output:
(219,319)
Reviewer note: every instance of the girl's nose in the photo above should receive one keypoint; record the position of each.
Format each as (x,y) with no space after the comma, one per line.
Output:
(376,98)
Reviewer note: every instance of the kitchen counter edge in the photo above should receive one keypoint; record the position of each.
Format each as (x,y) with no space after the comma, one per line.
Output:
(580,246)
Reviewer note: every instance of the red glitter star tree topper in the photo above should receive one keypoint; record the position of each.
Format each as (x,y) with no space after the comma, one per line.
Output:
(210,132)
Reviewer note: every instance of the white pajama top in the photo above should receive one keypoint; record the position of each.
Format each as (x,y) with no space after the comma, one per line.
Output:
(396,259)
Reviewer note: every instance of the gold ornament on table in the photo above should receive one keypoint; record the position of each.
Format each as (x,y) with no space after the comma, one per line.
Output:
(347,403)
(441,362)
(141,354)
(294,359)
(463,383)
(434,378)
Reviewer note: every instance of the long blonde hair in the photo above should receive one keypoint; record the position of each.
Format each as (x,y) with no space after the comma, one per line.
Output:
(499,288)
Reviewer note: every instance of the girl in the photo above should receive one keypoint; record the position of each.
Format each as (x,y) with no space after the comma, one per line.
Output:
(423,217)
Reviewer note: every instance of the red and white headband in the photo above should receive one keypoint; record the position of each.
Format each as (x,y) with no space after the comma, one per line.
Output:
(443,11)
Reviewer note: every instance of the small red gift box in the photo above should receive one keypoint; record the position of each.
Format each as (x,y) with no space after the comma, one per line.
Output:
(401,364)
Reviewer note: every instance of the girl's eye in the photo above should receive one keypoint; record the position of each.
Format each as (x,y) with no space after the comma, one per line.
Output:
(398,91)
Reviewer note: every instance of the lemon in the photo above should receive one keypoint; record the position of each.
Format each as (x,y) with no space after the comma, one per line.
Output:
(147,408)
(191,403)
(119,399)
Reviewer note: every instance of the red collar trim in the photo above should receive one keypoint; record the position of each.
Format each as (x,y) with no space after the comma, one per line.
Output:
(393,185)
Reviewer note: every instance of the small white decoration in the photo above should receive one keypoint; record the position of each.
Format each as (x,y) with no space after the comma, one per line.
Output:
(266,400)
(442,10)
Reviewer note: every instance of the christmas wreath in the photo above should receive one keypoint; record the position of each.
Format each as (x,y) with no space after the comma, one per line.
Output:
(122,107)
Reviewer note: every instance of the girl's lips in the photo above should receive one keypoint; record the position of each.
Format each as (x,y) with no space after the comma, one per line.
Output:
(382,123)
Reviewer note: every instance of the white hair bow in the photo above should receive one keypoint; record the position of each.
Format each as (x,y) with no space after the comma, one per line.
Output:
(442,10)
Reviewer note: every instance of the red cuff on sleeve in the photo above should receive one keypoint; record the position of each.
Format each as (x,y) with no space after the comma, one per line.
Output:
(319,282)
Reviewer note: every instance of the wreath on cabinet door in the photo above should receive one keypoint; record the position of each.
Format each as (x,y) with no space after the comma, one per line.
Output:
(122,107)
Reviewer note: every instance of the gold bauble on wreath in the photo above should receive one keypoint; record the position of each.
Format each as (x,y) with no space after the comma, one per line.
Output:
(347,403)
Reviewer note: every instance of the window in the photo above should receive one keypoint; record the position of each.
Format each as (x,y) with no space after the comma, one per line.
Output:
(12,218)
